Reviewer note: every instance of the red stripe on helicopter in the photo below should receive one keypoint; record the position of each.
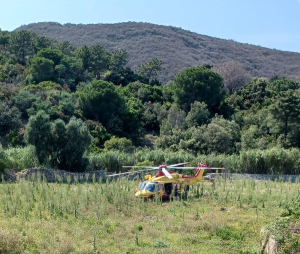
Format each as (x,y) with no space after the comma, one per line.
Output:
(194,175)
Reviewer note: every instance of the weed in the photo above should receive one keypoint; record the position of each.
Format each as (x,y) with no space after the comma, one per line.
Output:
(229,233)
(161,244)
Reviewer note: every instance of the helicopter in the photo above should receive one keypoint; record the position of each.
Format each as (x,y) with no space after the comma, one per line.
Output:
(165,182)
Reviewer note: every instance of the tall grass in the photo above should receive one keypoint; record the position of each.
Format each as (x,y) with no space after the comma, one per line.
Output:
(271,161)
(39,217)
(114,160)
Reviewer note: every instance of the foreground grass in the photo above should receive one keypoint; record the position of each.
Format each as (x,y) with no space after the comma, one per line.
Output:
(223,217)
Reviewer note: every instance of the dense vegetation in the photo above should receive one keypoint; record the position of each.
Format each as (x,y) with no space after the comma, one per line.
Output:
(84,108)
(177,48)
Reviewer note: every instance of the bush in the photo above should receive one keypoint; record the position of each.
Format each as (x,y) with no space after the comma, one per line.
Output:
(20,158)
(229,233)
(120,144)
(3,160)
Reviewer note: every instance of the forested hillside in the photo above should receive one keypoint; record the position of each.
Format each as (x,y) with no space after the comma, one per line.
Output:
(177,48)
(83,108)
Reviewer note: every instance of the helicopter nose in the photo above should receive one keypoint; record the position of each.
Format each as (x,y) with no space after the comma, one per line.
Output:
(143,194)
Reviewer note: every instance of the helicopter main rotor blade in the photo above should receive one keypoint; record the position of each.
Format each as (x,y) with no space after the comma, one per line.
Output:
(149,167)
(179,164)
(189,168)
(209,168)
(167,174)
(183,167)
(132,172)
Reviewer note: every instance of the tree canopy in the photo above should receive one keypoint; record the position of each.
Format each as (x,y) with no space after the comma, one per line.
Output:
(198,84)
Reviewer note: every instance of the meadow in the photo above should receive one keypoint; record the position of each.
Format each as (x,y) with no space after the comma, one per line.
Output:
(105,217)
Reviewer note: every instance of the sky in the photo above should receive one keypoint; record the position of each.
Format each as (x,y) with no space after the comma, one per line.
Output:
(268,23)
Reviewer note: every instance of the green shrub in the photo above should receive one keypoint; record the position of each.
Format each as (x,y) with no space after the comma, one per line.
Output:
(229,233)
(3,160)
(20,158)
(293,209)
(120,144)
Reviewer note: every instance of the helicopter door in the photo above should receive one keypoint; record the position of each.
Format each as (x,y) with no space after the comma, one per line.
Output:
(168,189)
(177,189)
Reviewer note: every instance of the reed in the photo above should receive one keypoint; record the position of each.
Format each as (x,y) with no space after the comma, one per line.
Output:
(271,161)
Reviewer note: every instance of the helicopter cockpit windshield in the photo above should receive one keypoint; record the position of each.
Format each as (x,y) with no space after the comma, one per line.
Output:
(150,187)
(142,185)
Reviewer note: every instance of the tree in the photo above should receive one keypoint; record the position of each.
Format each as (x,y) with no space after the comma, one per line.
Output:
(218,140)
(198,84)
(153,115)
(252,94)
(66,103)
(150,69)
(38,133)
(100,59)
(20,45)
(252,138)
(52,54)
(198,115)
(4,38)
(78,139)
(122,77)
(100,101)
(69,71)
(41,69)
(9,118)
(24,101)
(66,48)
(84,55)
(278,85)
(234,75)
(176,116)
(220,136)
(285,110)
(40,42)
(118,60)
(57,144)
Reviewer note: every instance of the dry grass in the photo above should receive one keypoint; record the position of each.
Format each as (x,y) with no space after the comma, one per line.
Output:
(37,217)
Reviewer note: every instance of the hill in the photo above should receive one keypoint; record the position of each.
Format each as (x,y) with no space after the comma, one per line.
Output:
(177,48)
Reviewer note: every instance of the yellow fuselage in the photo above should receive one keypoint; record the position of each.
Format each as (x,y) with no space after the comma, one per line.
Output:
(162,185)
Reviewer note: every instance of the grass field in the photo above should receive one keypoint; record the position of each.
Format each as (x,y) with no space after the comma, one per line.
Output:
(219,217)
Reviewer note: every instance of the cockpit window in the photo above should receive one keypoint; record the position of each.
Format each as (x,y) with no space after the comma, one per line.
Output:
(142,185)
(150,187)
